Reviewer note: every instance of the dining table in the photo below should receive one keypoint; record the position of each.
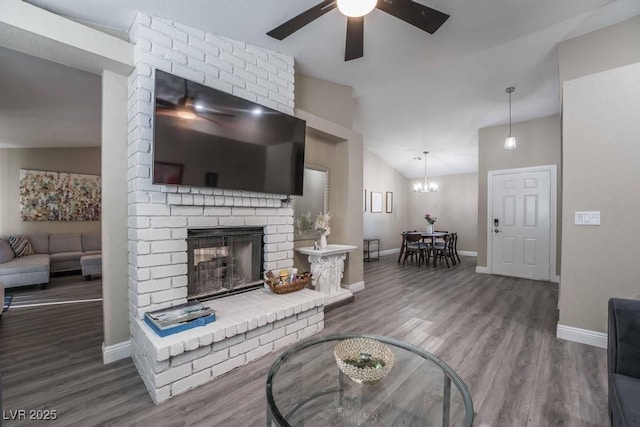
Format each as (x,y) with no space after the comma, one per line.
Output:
(425,235)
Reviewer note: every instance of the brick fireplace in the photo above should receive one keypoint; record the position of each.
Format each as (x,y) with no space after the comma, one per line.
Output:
(163,219)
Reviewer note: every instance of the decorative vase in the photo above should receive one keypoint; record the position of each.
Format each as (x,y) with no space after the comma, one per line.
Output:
(323,241)
(429,228)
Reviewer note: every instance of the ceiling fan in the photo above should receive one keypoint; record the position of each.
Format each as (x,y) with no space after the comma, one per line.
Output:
(189,108)
(423,17)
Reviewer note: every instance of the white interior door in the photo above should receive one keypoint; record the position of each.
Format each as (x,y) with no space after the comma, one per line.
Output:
(520,224)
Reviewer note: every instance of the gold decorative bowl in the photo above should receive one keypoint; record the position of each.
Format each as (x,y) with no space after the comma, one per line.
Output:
(364,360)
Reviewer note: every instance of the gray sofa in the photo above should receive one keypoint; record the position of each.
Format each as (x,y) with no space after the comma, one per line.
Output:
(53,253)
(624,362)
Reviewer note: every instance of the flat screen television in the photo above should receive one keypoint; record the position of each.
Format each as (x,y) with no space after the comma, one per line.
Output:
(204,137)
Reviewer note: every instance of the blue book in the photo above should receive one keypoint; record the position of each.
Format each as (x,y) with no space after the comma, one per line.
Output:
(184,326)
(172,320)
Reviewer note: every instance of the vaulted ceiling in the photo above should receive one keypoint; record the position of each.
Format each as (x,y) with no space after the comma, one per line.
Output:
(414,91)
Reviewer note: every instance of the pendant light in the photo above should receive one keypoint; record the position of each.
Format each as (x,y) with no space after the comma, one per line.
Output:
(356,8)
(510,142)
(425,187)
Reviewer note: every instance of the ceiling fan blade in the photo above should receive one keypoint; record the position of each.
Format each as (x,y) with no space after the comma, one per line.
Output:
(163,103)
(199,108)
(216,113)
(294,24)
(355,38)
(420,16)
(202,116)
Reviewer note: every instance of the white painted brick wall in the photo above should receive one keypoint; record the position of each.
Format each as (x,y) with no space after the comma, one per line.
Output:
(159,215)
(190,382)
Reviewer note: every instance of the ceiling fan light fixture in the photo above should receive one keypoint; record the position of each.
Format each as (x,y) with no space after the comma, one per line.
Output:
(186,114)
(356,8)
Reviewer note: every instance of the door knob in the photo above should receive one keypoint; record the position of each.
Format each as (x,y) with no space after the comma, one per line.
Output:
(495,230)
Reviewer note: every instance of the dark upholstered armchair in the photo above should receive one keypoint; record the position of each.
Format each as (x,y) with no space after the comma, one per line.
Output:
(624,362)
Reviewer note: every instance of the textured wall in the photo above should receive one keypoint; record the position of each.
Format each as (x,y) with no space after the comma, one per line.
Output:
(455,205)
(114,209)
(382,178)
(538,145)
(601,147)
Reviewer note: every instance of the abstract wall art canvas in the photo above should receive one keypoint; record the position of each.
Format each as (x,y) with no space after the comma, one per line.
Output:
(59,196)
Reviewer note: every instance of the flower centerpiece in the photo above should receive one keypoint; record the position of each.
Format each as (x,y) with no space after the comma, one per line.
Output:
(322,225)
(431,220)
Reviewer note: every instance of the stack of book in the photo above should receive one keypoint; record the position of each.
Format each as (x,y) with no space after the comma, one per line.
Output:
(176,319)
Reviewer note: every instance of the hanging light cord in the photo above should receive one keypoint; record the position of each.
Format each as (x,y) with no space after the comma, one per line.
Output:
(509,113)
(510,90)
(425,170)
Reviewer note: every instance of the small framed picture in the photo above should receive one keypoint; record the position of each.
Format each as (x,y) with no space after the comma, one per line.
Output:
(167,173)
(364,202)
(389,202)
(376,202)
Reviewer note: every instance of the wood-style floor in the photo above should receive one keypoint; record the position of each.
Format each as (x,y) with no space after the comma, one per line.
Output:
(60,289)
(498,333)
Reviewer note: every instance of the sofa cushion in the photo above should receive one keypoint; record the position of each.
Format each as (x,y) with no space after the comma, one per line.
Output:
(66,256)
(21,246)
(27,264)
(626,390)
(69,242)
(6,253)
(93,252)
(91,242)
(39,242)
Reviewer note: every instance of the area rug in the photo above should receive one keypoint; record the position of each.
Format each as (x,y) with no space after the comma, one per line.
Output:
(7,302)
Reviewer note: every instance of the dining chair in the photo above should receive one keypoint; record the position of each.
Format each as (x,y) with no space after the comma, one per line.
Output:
(454,246)
(404,244)
(413,247)
(440,231)
(439,241)
(443,250)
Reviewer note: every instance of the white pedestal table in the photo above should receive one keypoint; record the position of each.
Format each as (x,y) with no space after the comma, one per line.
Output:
(327,268)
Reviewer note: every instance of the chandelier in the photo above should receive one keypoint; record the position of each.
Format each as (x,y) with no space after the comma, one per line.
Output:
(426,187)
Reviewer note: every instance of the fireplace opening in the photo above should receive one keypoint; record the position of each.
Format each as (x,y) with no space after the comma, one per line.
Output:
(224,261)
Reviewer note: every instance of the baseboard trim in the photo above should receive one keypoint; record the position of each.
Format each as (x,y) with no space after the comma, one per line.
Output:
(113,353)
(482,270)
(354,287)
(555,279)
(468,253)
(584,336)
(390,251)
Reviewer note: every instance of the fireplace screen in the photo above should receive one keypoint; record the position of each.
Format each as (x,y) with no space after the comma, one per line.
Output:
(224,261)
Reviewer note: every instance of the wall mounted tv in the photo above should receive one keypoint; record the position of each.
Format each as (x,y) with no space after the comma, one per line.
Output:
(207,138)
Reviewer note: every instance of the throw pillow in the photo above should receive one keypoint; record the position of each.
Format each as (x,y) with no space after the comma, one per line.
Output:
(21,246)
(6,253)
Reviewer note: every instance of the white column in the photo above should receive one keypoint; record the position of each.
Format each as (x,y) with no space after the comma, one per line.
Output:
(115,286)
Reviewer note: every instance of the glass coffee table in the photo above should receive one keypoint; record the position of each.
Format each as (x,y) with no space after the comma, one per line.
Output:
(305,387)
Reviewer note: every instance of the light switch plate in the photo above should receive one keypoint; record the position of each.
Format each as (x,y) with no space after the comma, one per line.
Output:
(587,218)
